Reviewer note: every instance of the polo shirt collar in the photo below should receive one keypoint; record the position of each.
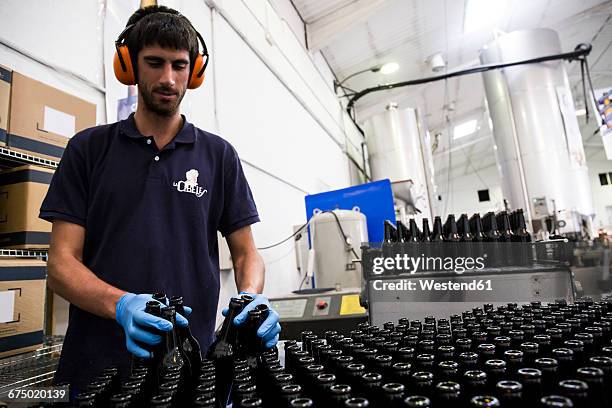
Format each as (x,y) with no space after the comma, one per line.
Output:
(187,134)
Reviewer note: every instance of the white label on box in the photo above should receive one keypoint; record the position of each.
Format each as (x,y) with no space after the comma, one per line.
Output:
(7,306)
(59,122)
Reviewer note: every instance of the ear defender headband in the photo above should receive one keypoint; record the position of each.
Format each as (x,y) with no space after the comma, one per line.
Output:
(122,62)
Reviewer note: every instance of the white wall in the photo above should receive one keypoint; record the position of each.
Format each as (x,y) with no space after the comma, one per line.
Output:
(462,197)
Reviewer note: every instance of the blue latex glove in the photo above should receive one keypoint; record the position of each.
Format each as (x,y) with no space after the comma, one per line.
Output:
(130,314)
(269,329)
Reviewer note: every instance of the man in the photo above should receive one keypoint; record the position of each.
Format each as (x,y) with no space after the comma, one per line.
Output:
(136,206)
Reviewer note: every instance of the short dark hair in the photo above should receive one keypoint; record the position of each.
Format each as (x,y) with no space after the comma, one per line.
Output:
(163,26)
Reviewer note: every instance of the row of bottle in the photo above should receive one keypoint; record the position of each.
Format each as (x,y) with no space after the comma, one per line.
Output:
(532,354)
(176,375)
(169,378)
(144,388)
(234,344)
(502,227)
(463,361)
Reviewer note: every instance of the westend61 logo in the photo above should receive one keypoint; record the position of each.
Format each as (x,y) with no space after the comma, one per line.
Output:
(407,263)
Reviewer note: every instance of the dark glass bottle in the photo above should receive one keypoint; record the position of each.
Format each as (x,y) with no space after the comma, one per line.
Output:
(422,383)
(521,234)
(171,352)
(417,401)
(370,388)
(121,400)
(426,233)
(223,352)
(451,232)
(510,393)
(189,345)
(531,379)
(481,401)
(392,394)
(463,227)
(478,236)
(288,393)
(414,234)
(161,298)
(134,388)
(102,391)
(448,393)
(476,228)
(85,399)
(575,390)
(475,383)
(356,403)
(302,403)
(403,235)
(254,403)
(491,230)
(161,401)
(438,234)
(339,393)
(594,377)
(390,232)
(505,231)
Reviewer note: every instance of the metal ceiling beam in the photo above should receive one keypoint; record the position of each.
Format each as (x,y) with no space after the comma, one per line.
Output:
(323,30)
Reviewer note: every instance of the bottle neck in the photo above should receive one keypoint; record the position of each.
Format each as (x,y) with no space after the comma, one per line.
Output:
(170,337)
(228,329)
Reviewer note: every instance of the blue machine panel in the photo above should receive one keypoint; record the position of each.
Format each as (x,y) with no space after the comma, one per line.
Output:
(374,199)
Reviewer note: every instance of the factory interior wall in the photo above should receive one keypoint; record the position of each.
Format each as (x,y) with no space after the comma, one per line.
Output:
(462,196)
(602,195)
(25,48)
(263,93)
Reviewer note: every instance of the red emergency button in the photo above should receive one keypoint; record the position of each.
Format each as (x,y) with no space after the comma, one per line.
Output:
(321,304)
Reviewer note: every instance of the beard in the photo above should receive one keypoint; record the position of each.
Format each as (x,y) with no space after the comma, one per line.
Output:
(159,107)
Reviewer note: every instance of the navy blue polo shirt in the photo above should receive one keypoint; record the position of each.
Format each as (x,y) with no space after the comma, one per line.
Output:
(151,219)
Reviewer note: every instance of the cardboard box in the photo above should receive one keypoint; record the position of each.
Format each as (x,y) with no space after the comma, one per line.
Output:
(43,119)
(56,314)
(22,190)
(5,96)
(22,305)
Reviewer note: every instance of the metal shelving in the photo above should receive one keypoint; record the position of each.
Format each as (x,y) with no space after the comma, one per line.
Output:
(25,253)
(35,368)
(12,158)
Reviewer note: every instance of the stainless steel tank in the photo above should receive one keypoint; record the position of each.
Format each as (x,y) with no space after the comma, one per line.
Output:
(538,143)
(334,266)
(399,149)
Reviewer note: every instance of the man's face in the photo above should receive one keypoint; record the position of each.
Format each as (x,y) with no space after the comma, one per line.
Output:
(162,78)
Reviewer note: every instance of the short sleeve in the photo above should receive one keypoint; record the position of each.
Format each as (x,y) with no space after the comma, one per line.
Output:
(239,208)
(67,196)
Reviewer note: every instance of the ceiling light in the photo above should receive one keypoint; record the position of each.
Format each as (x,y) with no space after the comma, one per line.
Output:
(389,68)
(464,129)
(482,13)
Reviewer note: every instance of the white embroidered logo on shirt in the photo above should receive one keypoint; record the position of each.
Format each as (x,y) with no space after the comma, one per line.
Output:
(190,184)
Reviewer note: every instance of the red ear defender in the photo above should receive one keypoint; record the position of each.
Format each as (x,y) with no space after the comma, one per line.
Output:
(197,73)
(122,65)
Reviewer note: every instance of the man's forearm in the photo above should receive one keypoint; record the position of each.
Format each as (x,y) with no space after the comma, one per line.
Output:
(249,272)
(73,281)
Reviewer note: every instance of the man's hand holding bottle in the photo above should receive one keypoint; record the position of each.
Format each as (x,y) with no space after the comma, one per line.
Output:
(137,323)
(270,328)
